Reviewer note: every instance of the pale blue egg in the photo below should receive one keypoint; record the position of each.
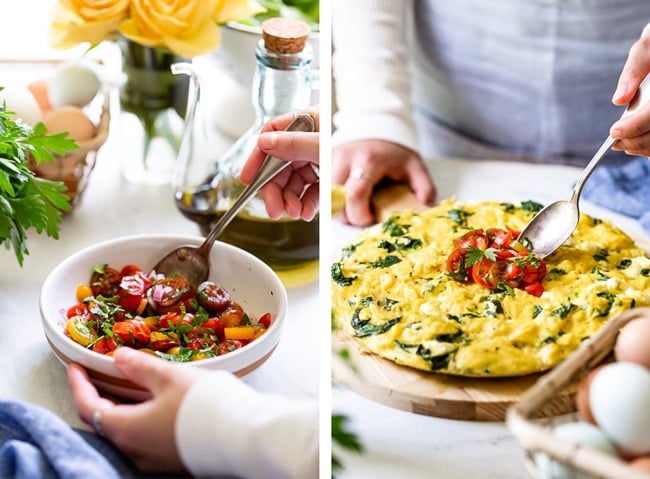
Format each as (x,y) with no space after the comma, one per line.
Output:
(581,433)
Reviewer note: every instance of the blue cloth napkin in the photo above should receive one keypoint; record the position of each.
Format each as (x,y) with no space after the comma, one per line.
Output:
(623,188)
(37,444)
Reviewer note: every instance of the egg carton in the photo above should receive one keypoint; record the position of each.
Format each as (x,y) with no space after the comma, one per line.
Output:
(536,434)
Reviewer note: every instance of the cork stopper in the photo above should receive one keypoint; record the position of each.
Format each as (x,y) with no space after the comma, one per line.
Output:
(285,35)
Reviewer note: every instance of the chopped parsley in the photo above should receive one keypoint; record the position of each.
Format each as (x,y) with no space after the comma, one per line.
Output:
(601,255)
(439,361)
(530,205)
(610,302)
(564,310)
(338,276)
(402,243)
(624,264)
(386,262)
(459,215)
(369,329)
(393,229)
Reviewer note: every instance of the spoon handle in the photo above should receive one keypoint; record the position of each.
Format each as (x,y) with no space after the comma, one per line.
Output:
(641,98)
(268,170)
(589,169)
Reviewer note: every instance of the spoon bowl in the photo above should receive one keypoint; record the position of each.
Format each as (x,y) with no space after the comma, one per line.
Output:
(193,262)
(553,225)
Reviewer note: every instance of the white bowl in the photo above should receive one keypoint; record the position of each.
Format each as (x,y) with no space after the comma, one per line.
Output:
(249,281)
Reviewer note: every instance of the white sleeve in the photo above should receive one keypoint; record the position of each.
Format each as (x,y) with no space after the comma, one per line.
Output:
(371,75)
(224,426)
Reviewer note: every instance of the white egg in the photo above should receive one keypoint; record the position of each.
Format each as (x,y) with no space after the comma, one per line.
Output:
(75,83)
(619,396)
(581,433)
(21,101)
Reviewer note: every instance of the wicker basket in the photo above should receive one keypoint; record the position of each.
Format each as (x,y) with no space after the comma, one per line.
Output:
(536,435)
(75,168)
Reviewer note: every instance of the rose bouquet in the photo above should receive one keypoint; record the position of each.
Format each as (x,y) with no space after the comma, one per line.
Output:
(151,35)
(188,28)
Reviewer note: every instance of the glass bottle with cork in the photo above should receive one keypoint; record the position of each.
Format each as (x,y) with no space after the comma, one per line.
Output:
(205,187)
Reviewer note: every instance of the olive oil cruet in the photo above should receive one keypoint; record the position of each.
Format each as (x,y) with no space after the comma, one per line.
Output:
(205,185)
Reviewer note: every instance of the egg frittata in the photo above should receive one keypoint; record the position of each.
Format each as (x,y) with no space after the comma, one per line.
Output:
(392,292)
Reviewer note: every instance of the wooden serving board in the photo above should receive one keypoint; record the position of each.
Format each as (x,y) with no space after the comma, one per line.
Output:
(432,394)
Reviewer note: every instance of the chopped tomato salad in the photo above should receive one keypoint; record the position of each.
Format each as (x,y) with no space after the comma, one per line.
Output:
(165,316)
(495,259)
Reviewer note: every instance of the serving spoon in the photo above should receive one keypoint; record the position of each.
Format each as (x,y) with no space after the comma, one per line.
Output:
(193,262)
(555,223)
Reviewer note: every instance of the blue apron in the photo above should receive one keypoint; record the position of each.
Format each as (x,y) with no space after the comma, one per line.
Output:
(524,80)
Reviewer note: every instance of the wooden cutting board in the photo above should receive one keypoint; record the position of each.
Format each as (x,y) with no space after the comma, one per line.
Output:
(421,392)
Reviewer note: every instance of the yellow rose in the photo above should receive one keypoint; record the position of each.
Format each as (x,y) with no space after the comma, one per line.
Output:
(229,10)
(186,28)
(79,21)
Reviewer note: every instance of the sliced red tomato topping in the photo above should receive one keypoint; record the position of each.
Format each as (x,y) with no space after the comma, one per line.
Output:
(476,239)
(495,259)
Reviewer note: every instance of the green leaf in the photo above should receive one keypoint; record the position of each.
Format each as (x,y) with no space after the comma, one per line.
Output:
(27,201)
(475,255)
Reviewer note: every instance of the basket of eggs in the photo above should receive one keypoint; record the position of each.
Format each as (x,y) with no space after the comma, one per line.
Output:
(66,96)
(609,434)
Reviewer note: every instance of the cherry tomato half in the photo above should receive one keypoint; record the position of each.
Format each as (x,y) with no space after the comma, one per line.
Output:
(233,315)
(265,320)
(456,265)
(229,345)
(105,345)
(133,331)
(105,281)
(212,297)
(170,294)
(80,309)
(476,238)
(214,324)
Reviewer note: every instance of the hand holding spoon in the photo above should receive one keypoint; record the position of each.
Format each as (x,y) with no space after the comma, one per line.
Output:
(193,262)
(555,223)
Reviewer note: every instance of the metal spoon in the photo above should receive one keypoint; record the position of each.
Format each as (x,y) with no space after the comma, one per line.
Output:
(193,262)
(554,224)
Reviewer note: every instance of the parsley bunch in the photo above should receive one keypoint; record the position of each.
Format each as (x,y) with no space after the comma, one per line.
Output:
(27,201)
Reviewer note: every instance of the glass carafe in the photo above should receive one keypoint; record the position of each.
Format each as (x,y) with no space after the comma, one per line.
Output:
(205,186)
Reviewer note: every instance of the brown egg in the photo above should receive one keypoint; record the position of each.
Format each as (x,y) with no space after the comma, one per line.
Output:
(70,119)
(642,463)
(582,396)
(39,90)
(633,342)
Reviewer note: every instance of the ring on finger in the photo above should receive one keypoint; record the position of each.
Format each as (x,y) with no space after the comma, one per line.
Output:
(97,420)
(358,173)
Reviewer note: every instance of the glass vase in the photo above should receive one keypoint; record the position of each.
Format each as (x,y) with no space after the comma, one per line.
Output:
(152,107)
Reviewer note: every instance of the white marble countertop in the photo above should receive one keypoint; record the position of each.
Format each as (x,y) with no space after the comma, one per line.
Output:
(111,207)
(402,444)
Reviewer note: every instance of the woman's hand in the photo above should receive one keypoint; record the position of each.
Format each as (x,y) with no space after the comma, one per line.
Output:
(633,131)
(143,431)
(360,165)
(295,190)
